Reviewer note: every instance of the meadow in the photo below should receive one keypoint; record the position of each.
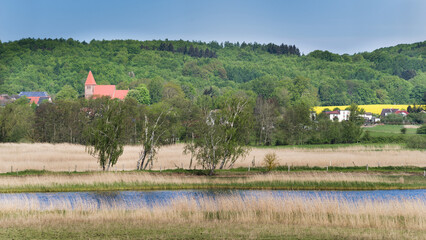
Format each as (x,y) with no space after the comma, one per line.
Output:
(228,217)
(69,157)
(66,167)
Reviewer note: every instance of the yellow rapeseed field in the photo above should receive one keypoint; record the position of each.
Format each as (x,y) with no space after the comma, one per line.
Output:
(374,108)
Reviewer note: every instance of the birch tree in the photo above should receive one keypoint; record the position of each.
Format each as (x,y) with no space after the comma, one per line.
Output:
(157,126)
(222,134)
(105,133)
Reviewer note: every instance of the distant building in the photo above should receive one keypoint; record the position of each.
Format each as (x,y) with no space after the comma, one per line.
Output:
(92,90)
(36,97)
(339,115)
(387,111)
(369,118)
(402,112)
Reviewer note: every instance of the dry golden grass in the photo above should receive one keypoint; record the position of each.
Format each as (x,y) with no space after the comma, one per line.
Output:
(289,210)
(66,157)
(143,177)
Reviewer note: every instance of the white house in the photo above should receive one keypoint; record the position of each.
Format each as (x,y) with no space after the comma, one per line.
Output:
(339,115)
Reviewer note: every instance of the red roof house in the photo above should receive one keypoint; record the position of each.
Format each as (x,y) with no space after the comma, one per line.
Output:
(93,91)
(402,112)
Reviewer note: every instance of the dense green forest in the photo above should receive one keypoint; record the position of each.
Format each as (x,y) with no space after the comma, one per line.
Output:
(395,75)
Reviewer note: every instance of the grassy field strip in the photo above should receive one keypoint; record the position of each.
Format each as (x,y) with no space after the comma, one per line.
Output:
(68,157)
(396,216)
(148,181)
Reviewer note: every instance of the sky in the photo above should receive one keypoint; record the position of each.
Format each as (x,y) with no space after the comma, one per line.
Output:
(339,26)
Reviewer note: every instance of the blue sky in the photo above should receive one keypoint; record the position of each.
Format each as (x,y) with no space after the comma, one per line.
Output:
(341,26)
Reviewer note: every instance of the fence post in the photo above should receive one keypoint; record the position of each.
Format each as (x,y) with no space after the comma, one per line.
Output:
(327,168)
(11,169)
(75,168)
(288,168)
(44,168)
(248,169)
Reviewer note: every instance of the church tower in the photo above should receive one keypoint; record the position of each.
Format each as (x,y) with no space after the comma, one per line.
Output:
(89,86)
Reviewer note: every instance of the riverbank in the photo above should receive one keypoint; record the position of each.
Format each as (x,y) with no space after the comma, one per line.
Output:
(302,178)
(226,217)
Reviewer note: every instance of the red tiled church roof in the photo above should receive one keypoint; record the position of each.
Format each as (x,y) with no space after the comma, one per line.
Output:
(120,94)
(104,90)
(90,79)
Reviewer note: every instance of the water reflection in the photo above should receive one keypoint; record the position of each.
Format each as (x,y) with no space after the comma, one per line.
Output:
(141,199)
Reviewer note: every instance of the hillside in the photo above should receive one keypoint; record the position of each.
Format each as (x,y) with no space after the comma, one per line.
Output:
(393,75)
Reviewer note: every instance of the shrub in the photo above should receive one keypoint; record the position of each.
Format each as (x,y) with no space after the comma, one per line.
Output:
(403,130)
(417,142)
(421,130)
(270,161)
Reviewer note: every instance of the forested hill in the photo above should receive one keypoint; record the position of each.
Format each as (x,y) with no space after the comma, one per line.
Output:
(387,75)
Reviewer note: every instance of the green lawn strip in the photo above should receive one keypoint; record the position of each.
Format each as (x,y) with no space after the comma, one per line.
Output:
(245,170)
(332,146)
(259,185)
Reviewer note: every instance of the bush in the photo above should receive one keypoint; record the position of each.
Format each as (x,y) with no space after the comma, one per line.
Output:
(417,142)
(270,161)
(421,130)
(403,130)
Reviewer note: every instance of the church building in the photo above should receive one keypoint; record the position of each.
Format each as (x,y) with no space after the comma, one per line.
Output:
(92,90)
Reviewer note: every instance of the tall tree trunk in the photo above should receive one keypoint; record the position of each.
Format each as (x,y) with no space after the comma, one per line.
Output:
(141,160)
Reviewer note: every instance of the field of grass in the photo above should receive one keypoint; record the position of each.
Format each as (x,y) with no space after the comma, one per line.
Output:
(299,178)
(227,217)
(68,157)
(389,130)
(373,108)
(344,167)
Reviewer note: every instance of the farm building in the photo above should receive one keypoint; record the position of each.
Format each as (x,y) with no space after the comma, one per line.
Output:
(36,97)
(92,90)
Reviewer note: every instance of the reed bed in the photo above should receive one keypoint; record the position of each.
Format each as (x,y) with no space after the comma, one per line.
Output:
(69,157)
(157,179)
(407,214)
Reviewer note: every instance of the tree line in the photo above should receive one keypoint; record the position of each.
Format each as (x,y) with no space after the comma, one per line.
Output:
(217,128)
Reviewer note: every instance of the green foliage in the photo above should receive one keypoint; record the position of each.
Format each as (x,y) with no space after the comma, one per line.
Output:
(222,132)
(396,119)
(141,94)
(417,142)
(105,132)
(67,92)
(403,130)
(422,129)
(157,124)
(387,75)
(156,90)
(16,121)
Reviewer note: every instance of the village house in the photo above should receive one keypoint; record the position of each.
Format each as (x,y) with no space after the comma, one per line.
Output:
(339,115)
(92,90)
(369,118)
(36,97)
(387,111)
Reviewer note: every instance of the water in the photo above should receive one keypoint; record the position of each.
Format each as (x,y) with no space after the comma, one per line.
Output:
(141,199)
